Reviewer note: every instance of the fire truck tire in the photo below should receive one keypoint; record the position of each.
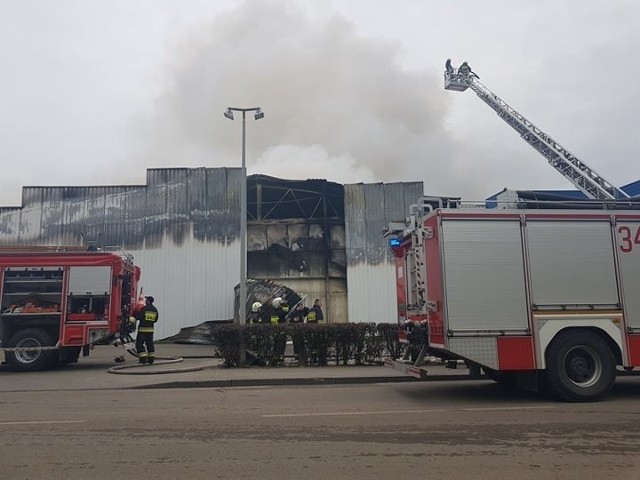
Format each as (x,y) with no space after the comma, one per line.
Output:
(581,367)
(30,360)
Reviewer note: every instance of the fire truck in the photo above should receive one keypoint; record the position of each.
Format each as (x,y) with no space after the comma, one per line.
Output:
(543,298)
(57,302)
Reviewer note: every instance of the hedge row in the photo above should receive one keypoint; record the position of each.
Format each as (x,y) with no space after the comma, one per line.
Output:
(316,344)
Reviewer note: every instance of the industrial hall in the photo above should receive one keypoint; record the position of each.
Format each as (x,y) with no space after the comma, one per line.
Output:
(317,238)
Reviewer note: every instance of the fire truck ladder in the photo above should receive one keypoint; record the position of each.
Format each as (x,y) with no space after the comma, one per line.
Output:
(593,185)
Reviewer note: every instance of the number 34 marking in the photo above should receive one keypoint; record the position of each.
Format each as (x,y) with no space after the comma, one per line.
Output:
(627,238)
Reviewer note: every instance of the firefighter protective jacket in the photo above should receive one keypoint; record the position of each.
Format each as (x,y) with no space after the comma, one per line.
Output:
(147,317)
(315,314)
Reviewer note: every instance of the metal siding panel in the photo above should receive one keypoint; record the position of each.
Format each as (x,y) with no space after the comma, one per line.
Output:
(52,216)
(116,215)
(375,222)
(223,203)
(192,283)
(177,223)
(370,266)
(336,303)
(484,275)
(354,223)
(571,263)
(372,294)
(197,199)
(156,209)
(95,215)
(10,225)
(135,204)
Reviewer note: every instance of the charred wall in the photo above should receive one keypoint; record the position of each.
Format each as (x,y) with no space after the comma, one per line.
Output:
(295,235)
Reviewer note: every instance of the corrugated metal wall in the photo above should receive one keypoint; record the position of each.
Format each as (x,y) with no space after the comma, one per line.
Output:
(181,227)
(370,268)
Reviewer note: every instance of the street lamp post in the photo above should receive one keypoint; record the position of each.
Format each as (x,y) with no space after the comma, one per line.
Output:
(242,303)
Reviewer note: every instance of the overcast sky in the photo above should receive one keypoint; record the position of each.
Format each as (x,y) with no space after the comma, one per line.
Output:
(94,92)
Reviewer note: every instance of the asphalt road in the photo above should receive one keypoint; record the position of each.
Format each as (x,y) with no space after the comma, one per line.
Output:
(435,430)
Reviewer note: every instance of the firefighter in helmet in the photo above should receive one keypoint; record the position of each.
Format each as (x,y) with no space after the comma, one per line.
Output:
(257,314)
(278,312)
(147,318)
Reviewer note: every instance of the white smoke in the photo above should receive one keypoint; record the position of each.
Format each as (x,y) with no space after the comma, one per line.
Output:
(300,163)
(337,106)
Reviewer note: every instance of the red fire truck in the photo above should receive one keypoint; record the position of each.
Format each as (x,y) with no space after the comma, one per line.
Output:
(539,297)
(59,301)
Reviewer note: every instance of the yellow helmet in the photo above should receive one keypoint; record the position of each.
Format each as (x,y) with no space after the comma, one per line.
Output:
(256,306)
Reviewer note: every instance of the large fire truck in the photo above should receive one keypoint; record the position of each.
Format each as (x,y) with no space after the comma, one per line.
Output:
(546,298)
(542,298)
(59,301)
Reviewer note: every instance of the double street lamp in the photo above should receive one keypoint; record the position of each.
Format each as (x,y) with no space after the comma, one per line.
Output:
(242,303)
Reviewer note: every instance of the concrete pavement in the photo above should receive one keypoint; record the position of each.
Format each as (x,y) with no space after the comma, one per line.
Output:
(198,368)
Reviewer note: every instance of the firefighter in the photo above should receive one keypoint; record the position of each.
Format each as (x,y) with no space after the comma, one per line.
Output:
(257,314)
(278,316)
(285,306)
(147,318)
(278,313)
(315,314)
(464,68)
(298,316)
(448,66)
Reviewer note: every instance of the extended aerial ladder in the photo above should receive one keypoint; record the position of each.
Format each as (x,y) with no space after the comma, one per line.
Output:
(592,184)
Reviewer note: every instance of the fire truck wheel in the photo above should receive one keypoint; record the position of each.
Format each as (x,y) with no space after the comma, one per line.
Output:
(581,367)
(31,358)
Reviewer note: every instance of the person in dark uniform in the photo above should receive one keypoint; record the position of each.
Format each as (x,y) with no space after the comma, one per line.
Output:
(315,314)
(147,318)
(298,315)
(278,316)
(257,314)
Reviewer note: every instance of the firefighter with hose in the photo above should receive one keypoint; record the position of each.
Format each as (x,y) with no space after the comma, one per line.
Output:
(147,318)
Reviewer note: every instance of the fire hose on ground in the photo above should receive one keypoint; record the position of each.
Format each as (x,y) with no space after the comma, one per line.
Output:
(143,369)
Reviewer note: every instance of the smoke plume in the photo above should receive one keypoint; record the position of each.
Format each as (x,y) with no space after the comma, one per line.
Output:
(337,105)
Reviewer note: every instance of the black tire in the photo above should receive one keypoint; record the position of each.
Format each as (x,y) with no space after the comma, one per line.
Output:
(30,360)
(581,367)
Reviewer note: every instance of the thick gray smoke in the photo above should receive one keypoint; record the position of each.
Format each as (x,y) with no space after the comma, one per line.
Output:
(337,106)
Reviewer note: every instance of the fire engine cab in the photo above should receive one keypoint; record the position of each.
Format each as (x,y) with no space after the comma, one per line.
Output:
(59,301)
(544,296)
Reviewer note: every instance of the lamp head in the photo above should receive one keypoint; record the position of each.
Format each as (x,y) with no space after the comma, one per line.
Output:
(259,114)
(229,114)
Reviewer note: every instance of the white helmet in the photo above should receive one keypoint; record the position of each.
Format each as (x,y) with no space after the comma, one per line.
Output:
(277,302)
(256,306)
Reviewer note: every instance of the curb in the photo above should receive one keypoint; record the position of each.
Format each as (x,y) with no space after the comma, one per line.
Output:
(256,382)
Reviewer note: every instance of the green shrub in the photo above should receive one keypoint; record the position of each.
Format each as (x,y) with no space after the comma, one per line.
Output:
(352,343)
